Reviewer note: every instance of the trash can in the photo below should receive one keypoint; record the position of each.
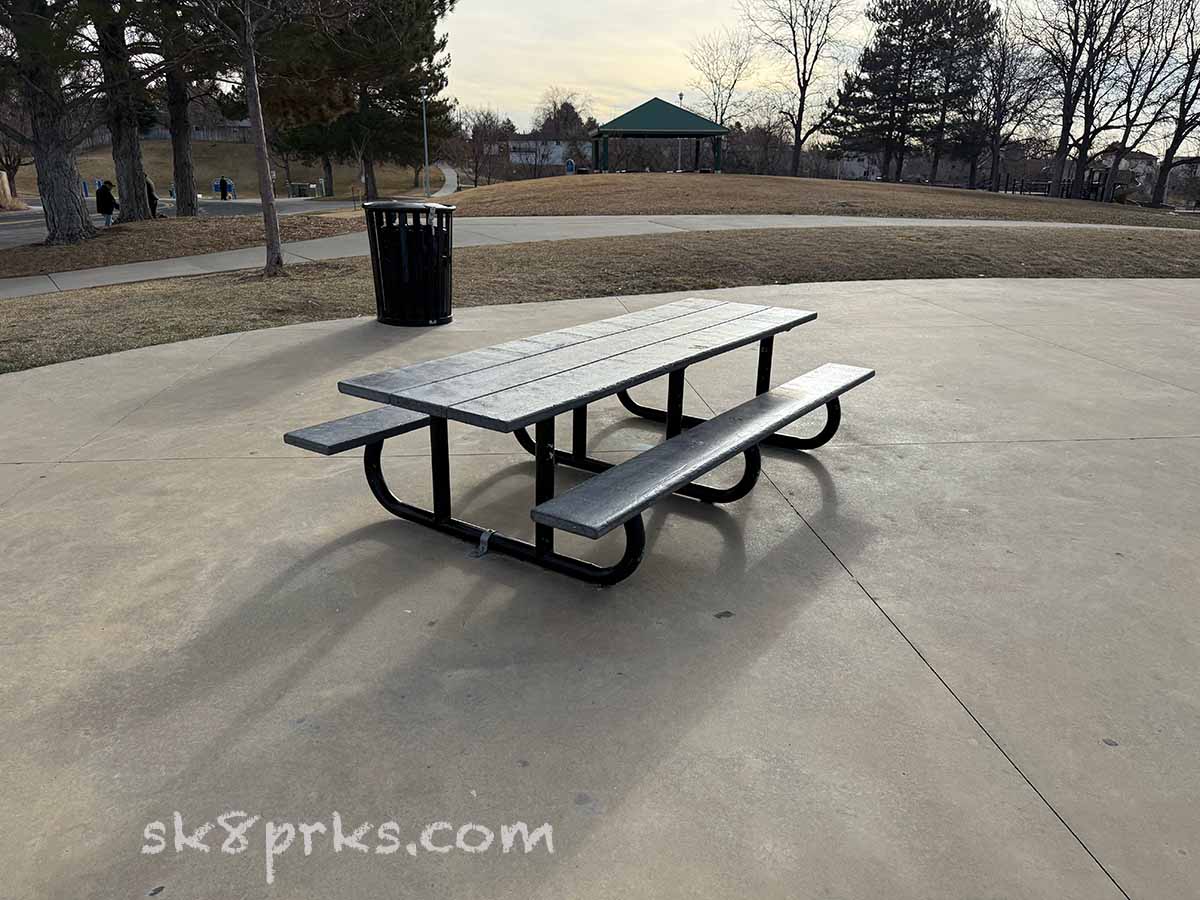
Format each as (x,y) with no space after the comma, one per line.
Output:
(411,257)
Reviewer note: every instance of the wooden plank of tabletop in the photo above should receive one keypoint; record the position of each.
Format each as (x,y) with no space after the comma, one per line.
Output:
(381,386)
(438,397)
(516,407)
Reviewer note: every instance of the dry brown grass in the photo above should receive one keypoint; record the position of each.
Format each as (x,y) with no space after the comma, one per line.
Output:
(666,194)
(104,320)
(166,239)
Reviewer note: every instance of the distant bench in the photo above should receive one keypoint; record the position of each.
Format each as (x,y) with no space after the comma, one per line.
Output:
(528,382)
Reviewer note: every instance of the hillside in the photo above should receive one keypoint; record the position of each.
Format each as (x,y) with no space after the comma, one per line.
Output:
(667,194)
(236,161)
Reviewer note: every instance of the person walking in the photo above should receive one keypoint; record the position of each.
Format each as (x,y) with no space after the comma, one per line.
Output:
(106,203)
(224,188)
(152,197)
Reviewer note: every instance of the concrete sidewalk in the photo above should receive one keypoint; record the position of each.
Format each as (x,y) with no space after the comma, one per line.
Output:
(953,654)
(473,232)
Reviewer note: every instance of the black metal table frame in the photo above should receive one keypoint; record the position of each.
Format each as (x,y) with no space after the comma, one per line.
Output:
(546,456)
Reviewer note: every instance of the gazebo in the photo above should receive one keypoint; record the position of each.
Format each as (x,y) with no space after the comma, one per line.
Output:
(657,119)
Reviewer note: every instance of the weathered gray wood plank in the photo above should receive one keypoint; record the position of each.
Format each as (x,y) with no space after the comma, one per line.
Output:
(334,437)
(383,386)
(611,498)
(512,408)
(441,396)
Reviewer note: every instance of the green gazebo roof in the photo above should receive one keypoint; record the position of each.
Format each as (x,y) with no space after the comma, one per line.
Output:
(658,118)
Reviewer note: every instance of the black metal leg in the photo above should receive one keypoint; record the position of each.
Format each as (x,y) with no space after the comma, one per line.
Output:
(674,403)
(766,350)
(579,432)
(544,480)
(439,456)
(635,533)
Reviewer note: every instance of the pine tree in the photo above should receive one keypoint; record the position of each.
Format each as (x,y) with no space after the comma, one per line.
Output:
(961,30)
(887,105)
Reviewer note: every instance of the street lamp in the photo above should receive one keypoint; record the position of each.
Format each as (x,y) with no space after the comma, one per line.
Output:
(679,142)
(425,134)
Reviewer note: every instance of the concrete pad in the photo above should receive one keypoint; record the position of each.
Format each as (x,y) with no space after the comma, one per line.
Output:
(1165,352)
(960,661)
(53,411)
(15,477)
(1046,582)
(405,679)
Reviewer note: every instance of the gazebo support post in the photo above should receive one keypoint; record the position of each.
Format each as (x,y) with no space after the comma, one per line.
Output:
(696,165)
(717,154)
(596,155)
(604,154)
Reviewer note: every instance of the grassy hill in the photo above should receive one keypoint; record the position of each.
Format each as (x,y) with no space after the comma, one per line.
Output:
(666,194)
(236,161)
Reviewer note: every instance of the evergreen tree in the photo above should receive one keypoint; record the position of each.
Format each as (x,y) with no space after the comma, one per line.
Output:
(961,30)
(888,104)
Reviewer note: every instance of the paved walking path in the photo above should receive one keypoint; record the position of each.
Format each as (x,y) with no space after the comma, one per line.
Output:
(476,231)
(956,654)
(451,176)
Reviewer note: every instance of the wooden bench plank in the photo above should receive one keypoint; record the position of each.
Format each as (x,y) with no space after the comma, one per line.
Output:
(383,386)
(525,404)
(438,398)
(611,498)
(330,438)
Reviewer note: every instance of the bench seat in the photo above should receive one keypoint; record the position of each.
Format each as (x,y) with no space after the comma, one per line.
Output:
(357,430)
(610,499)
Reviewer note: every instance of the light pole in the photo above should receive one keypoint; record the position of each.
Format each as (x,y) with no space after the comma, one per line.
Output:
(425,134)
(679,143)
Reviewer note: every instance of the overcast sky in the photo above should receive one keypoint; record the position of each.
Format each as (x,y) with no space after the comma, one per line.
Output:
(505,53)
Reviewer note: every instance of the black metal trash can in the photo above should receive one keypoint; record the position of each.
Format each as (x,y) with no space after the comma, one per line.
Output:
(411,256)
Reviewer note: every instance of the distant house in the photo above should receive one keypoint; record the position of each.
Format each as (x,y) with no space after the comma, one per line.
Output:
(536,151)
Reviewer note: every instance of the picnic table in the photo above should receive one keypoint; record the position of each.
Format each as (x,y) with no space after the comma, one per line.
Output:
(529,382)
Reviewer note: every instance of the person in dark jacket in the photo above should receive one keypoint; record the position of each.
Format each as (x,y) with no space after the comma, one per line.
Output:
(106,203)
(224,185)
(152,197)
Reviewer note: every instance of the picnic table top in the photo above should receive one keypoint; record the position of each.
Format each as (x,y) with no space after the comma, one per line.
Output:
(517,383)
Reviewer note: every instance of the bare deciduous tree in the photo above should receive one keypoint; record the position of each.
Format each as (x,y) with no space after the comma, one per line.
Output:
(245,23)
(1145,78)
(1013,84)
(485,134)
(1183,119)
(723,60)
(1081,41)
(802,35)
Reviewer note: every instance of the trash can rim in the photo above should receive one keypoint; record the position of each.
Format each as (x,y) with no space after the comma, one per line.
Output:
(398,205)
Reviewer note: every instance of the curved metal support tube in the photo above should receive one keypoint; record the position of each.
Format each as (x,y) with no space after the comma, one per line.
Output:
(695,491)
(727,495)
(635,533)
(833,419)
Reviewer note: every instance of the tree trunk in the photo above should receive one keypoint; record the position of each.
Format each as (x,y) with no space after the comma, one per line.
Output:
(973,174)
(10,175)
(1114,169)
(995,185)
(180,119)
(122,120)
(327,172)
(1063,150)
(1081,161)
(8,199)
(937,143)
(266,190)
(370,186)
(795,171)
(58,181)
